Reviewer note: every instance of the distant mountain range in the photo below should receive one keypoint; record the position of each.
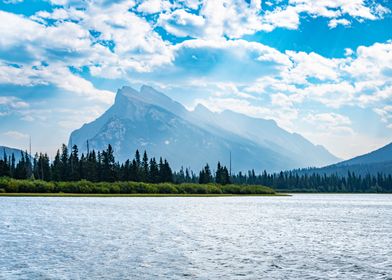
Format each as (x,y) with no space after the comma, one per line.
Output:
(378,161)
(9,151)
(149,120)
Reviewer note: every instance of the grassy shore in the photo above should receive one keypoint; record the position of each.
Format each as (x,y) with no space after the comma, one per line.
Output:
(12,187)
(129,195)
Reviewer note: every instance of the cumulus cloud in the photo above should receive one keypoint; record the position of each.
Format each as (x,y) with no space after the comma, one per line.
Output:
(361,79)
(330,118)
(333,23)
(218,18)
(16,135)
(385,114)
(10,103)
(121,40)
(61,77)
(153,6)
(114,42)
(182,24)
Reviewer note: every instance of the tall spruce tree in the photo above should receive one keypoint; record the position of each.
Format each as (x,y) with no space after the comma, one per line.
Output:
(144,168)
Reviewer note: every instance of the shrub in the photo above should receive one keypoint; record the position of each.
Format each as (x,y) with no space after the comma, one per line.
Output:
(83,186)
(167,188)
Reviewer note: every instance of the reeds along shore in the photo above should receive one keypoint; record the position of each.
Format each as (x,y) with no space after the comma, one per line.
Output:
(8,185)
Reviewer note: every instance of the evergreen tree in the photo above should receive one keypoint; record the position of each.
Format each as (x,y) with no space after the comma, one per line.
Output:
(134,171)
(64,166)
(144,168)
(57,167)
(205,176)
(23,169)
(165,172)
(108,165)
(91,168)
(154,171)
(74,164)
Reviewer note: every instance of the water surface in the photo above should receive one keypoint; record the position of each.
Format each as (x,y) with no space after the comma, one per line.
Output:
(300,237)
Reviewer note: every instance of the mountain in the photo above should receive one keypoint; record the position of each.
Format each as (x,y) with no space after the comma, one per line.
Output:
(7,151)
(268,134)
(149,120)
(381,155)
(378,161)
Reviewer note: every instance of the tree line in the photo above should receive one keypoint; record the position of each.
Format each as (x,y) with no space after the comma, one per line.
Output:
(101,166)
(292,181)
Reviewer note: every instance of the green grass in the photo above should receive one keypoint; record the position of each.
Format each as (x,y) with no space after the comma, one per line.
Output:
(12,187)
(128,195)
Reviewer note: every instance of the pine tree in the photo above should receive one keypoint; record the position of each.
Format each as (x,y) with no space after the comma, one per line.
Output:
(74,164)
(91,169)
(188,178)
(144,168)
(64,167)
(134,171)
(154,171)
(56,167)
(205,176)
(218,174)
(108,165)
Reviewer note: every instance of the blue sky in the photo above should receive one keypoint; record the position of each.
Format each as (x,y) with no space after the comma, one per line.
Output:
(319,68)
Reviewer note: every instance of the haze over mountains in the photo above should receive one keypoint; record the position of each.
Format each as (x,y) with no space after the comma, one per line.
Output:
(149,120)
(378,161)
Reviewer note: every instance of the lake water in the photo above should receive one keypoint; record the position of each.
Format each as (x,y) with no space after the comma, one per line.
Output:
(305,236)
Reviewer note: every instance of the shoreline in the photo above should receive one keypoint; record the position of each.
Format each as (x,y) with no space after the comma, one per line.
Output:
(130,195)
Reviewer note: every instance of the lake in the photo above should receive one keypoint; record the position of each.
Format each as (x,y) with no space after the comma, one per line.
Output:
(305,236)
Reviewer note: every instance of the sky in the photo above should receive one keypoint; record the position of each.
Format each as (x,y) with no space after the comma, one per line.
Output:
(319,68)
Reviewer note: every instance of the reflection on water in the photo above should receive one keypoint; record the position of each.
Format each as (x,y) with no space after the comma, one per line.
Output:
(298,237)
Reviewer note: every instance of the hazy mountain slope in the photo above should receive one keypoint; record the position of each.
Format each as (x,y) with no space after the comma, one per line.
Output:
(383,154)
(378,161)
(267,134)
(131,124)
(9,151)
(152,121)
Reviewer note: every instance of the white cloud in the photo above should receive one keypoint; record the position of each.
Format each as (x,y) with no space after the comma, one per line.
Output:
(182,23)
(332,119)
(361,79)
(13,102)
(348,52)
(334,8)
(234,19)
(285,18)
(373,62)
(282,100)
(333,23)
(16,135)
(153,6)
(311,65)
(385,114)
(61,77)
(112,40)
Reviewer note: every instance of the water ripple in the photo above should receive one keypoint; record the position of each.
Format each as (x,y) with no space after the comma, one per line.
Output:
(299,237)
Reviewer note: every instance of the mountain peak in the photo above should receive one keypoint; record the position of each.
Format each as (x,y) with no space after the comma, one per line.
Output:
(200,108)
(146,88)
(124,93)
(146,118)
(148,95)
